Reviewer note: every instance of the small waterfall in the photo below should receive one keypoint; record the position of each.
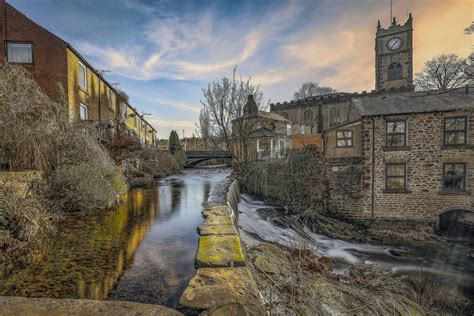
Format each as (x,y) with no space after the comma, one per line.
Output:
(233,199)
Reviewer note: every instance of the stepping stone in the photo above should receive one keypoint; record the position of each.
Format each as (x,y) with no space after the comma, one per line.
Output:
(219,251)
(218,220)
(217,210)
(221,291)
(206,230)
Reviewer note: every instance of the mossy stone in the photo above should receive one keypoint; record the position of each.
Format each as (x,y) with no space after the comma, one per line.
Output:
(219,251)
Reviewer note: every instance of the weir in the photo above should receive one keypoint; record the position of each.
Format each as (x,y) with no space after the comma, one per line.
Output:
(223,284)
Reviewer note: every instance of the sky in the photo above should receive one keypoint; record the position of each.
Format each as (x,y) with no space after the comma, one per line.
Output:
(164,52)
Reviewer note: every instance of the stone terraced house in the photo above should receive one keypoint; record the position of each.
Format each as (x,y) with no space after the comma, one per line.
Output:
(54,62)
(409,155)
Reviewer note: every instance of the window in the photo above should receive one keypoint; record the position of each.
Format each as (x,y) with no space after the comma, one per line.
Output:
(308,117)
(395,177)
(82,77)
(302,129)
(288,129)
(395,71)
(83,113)
(111,96)
(334,116)
(20,53)
(344,138)
(454,177)
(395,134)
(455,130)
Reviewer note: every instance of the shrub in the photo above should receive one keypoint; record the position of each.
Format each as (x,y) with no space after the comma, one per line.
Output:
(300,182)
(25,217)
(82,187)
(29,120)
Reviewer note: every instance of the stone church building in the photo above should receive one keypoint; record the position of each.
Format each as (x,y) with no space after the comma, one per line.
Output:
(392,153)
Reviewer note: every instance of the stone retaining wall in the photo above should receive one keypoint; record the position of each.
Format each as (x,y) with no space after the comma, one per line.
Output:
(222,285)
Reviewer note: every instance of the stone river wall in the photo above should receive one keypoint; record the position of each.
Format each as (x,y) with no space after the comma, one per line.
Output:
(223,285)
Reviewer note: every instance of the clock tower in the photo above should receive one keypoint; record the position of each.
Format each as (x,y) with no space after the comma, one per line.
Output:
(394,56)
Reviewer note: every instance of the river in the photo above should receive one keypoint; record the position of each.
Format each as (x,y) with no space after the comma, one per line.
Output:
(141,250)
(452,262)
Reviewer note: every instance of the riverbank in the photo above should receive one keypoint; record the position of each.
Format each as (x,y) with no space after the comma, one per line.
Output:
(444,270)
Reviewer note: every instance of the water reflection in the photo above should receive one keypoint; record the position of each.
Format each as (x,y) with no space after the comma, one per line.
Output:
(142,250)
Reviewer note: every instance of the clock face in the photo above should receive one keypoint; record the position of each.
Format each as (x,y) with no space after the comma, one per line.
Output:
(394,43)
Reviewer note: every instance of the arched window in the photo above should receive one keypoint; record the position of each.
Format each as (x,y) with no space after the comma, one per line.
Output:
(285,115)
(308,117)
(334,116)
(395,71)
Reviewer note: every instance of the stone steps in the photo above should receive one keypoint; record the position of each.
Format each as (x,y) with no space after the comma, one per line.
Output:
(222,284)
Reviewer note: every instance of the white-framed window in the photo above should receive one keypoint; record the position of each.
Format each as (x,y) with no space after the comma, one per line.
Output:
(83,112)
(111,97)
(82,77)
(288,129)
(21,53)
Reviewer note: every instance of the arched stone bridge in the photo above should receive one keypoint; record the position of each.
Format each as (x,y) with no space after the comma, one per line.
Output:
(197,156)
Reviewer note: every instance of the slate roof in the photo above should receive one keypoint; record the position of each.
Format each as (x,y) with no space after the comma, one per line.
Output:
(269,115)
(264,132)
(415,102)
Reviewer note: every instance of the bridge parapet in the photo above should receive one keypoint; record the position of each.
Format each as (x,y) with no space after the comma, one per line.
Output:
(210,154)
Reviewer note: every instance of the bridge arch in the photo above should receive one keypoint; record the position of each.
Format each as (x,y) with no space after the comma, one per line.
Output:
(457,221)
(195,157)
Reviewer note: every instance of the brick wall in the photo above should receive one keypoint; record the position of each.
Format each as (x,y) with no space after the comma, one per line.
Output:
(49,52)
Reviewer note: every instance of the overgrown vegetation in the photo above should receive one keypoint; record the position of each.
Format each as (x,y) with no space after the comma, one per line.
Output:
(36,134)
(299,182)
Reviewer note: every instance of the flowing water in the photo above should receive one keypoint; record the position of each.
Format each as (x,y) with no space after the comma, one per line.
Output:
(452,262)
(142,250)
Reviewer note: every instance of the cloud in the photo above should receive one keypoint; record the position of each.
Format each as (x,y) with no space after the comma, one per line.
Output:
(164,125)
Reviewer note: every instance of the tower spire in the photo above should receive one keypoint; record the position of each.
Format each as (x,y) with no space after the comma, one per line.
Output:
(391,11)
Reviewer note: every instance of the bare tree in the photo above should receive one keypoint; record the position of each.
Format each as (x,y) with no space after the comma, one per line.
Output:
(470,29)
(310,89)
(224,102)
(203,127)
(444,72)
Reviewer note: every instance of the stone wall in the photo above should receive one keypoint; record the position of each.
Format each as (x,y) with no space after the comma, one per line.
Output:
(345,185)
(424,156)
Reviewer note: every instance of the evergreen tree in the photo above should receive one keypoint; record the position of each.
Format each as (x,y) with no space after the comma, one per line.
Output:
(174,144)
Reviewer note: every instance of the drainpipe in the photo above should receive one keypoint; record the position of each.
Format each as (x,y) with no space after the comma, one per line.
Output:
(373,165)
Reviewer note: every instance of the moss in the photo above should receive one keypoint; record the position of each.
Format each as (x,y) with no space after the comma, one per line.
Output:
(206,230)
(218,221)
(219,251)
